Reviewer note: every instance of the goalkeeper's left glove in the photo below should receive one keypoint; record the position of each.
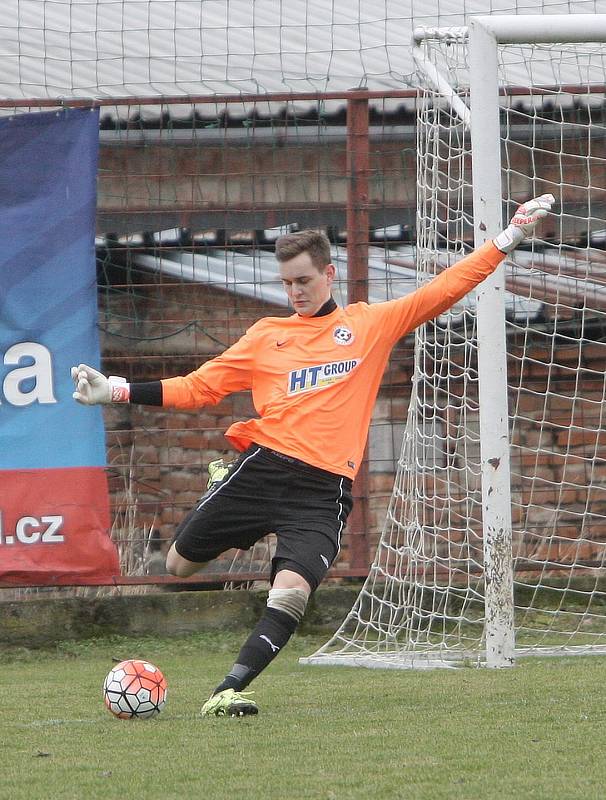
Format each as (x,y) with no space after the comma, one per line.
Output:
(523,222)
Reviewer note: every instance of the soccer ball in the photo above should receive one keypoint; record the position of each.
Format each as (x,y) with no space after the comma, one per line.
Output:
(135,690)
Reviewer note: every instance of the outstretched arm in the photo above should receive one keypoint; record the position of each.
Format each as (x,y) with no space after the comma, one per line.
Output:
(456,281)
(399,317)
(229,372)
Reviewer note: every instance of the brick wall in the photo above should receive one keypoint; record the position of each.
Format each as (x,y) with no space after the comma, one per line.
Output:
(561,461)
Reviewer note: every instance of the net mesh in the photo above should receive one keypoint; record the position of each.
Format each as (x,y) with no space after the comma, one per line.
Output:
(141,48)
(423,603)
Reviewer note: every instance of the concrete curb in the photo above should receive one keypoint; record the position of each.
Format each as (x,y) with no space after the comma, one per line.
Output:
(44,622)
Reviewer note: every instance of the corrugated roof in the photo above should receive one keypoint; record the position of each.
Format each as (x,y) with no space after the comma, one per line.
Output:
(117,48)
(254,274)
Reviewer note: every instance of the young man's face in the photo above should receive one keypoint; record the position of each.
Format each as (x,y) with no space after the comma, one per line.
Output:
(307,287)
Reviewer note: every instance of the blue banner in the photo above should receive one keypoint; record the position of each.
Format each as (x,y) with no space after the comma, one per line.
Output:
(48,300)
(54,507)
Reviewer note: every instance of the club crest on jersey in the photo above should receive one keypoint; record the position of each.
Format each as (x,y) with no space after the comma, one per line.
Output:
(343,335)
(319,376)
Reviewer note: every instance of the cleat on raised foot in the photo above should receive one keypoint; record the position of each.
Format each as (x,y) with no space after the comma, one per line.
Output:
(229,703)
(217,470)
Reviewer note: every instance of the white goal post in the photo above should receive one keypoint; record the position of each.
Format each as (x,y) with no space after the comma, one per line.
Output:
(510,107)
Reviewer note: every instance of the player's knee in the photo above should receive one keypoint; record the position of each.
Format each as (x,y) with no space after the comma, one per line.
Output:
(291,601)
(179,566)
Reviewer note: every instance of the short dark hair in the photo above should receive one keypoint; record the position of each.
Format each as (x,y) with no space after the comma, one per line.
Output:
(315,243)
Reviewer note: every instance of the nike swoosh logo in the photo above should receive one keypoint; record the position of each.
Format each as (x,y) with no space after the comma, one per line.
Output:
(281,344)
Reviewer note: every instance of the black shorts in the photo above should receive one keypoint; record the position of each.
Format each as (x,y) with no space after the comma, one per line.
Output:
(266,492)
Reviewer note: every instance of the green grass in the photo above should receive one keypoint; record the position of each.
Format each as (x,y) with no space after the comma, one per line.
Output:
(334,733)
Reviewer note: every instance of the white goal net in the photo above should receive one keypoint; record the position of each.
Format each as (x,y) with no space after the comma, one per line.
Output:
(424,602)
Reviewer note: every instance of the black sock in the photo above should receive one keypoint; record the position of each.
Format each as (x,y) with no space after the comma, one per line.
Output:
(271,633)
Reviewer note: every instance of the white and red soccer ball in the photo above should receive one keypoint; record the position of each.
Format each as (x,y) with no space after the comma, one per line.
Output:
(135,689)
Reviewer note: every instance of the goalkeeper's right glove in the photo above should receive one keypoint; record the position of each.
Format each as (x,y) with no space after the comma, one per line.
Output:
(93,387)
(523,222)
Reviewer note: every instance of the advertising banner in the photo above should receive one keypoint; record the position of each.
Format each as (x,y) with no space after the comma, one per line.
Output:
(54,505)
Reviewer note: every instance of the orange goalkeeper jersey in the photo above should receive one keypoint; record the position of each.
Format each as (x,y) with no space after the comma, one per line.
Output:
(314,380)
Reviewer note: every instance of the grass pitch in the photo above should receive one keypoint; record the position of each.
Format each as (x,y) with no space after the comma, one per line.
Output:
(334,733)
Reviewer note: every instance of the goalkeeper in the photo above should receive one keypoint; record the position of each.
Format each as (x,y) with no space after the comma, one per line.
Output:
(314,378)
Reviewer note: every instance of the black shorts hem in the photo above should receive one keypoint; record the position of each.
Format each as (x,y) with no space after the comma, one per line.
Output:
(278,564)
(188,557)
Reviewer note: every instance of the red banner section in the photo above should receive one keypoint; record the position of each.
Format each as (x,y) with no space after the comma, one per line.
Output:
(54,527)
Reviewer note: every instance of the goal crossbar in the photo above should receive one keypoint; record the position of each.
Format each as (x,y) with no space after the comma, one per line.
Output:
(525,29)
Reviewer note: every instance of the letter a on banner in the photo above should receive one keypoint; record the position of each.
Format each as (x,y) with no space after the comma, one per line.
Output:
(54,505)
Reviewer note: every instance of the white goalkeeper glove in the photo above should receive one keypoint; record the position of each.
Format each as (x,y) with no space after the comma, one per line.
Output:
(523,222)
(93,387)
